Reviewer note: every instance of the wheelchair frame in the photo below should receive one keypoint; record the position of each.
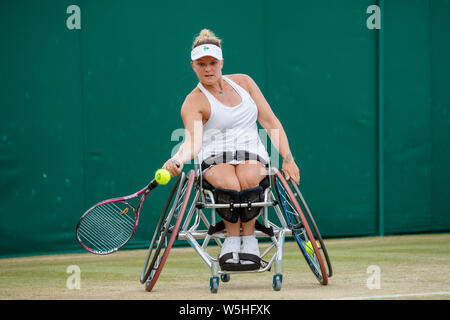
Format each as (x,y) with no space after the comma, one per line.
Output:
(204,199)
(192,234)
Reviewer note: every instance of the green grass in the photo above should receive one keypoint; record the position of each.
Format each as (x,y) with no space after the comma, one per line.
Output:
(409,265)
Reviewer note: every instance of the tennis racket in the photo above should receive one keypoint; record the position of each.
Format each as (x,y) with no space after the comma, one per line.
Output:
(109,225)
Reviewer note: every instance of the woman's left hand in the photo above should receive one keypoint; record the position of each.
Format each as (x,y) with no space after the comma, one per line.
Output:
(291,170)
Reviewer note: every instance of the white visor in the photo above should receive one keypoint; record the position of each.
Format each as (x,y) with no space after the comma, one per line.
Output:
(206,50)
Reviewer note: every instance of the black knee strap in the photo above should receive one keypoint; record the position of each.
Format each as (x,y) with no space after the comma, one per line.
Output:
(250,196)
(227,196)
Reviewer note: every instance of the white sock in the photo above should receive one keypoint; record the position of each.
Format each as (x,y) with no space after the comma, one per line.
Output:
(249,245)
(231,244)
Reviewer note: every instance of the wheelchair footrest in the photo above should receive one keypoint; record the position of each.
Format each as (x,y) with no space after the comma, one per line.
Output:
(256,265)
(239,267)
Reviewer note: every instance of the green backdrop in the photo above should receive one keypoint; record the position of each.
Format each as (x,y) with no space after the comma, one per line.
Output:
(88,114)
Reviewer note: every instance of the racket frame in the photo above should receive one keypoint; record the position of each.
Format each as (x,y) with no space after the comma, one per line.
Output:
(144,192)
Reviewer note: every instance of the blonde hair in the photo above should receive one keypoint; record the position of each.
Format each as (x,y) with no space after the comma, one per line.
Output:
(206,36)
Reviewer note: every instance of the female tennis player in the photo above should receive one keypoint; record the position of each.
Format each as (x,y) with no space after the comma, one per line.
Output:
(220,118)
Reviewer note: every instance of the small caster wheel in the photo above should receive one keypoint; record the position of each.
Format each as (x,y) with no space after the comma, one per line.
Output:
(214,284)
(277,281)
(225,277)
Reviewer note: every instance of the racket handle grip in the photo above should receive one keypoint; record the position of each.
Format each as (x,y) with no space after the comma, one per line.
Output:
(152,185)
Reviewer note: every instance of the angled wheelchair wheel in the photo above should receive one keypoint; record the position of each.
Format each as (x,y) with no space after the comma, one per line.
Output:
(315,230)
(300,228)
(167,229)
(160,235)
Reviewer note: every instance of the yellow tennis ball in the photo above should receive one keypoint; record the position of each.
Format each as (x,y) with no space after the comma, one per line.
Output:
(309,248)
(162,176)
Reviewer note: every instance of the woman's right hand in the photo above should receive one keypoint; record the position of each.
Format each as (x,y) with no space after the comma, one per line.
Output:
(173,166)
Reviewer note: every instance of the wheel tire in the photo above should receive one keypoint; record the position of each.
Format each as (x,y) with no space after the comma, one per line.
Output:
(299,225)
(153,271)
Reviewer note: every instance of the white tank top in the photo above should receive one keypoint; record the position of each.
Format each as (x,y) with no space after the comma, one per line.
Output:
(231,129)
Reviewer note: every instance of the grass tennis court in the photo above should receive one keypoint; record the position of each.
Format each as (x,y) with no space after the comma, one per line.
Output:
(411,267)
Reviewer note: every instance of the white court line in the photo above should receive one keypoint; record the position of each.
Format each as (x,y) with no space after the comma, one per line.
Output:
(423,294)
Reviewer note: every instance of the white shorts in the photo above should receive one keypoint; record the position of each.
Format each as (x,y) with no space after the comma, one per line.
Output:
(233,158)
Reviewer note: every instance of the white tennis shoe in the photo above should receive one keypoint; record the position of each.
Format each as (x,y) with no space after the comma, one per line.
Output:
(249,245)
(231,244)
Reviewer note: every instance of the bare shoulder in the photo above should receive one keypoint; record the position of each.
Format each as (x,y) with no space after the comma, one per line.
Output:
(244,80)
(194,103)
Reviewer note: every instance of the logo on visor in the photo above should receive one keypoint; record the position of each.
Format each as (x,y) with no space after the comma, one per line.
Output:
(205,48)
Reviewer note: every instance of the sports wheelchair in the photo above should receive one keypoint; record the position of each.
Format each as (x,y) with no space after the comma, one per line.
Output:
(190,214)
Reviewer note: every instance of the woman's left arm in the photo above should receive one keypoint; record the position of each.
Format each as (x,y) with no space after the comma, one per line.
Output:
(274,129)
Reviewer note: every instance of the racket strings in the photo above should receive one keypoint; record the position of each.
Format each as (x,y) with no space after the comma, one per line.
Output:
(98,230)
(107,227)
(98,240)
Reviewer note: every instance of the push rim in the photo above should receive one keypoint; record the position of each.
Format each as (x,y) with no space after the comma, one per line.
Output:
(299,225)
(158,234)
(312,222)
(163,249)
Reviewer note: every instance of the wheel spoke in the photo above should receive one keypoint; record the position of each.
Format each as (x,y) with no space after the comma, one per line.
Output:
(297,223)
(177,203)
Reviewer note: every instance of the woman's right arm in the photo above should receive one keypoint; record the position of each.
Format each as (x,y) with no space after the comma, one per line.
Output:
(192,117)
